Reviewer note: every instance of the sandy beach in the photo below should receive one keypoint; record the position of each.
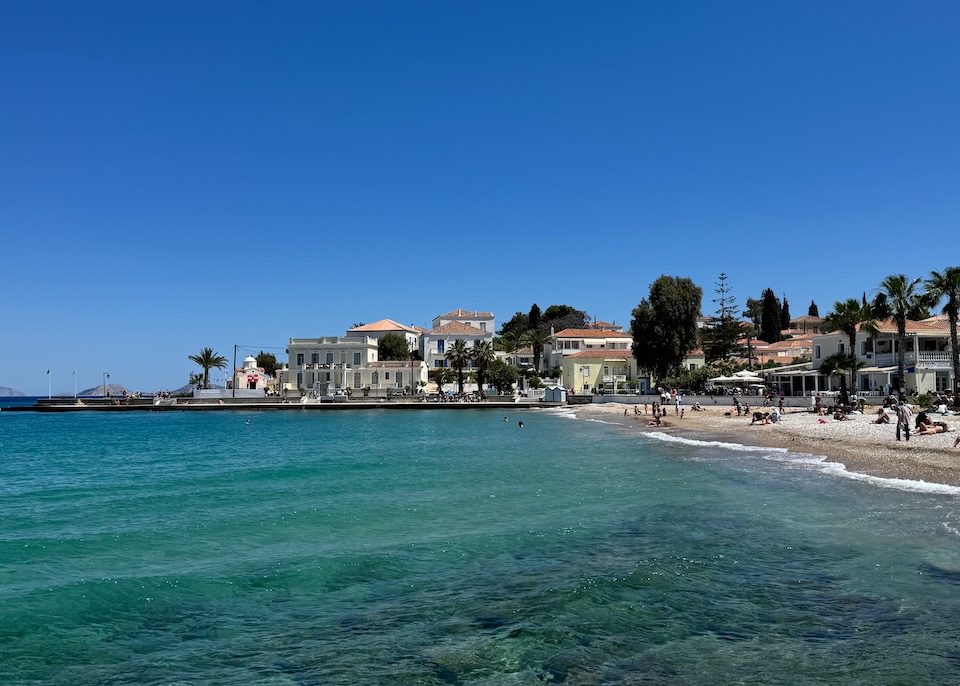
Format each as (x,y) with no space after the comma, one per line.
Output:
(858,444)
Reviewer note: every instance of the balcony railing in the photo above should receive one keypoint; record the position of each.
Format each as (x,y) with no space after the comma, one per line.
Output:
(929,360)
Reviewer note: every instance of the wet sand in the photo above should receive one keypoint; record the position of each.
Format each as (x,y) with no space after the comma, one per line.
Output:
(858,444)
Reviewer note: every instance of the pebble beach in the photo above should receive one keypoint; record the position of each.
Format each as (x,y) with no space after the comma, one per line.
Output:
(859,444)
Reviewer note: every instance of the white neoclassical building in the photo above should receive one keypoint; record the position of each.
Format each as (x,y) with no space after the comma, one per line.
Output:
(336,365)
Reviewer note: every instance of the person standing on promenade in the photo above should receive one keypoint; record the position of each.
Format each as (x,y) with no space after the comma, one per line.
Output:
(904,417)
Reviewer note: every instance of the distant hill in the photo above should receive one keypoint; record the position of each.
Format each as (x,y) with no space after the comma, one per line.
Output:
(10,393)
(97,391)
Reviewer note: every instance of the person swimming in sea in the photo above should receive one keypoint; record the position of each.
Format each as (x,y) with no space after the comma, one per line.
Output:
(520,424)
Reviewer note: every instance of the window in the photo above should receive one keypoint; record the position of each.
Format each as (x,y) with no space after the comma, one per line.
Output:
(438,363)
(299,379)
(356,359)
(399,379)
(315,358)
(440,346)
(375,378)
(840,348)
(357,380)
(299,359)
(329,358)
(386,376)
(483,326)
(816,351)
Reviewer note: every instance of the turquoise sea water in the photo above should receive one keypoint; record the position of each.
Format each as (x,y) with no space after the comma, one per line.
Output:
(451,547)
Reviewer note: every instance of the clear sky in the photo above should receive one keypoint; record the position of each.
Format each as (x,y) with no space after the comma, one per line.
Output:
(175,175)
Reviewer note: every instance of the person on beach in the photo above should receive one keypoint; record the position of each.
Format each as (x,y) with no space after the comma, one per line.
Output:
(930,429)
(882,417)
(904,417)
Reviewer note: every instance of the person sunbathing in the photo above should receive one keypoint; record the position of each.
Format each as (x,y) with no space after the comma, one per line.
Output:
(840,416)
(930,429)
(882,417)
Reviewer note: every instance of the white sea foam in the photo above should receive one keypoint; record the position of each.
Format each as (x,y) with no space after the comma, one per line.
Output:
(817,461)
(670,438)
(565,412)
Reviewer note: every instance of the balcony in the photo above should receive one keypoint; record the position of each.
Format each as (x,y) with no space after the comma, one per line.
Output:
(925,360)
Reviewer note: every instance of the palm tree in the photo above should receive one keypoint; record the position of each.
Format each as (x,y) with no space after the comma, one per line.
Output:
(208,360)
(536,339)
(509,342)
(483,355)
(458,355)
(899,297)
(946,284)
(848,317)
(441,375)
(839,364)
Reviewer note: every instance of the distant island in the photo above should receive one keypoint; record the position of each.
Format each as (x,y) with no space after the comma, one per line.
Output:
(10,393)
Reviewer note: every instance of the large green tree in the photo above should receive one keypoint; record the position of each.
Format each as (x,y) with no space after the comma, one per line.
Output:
(769,317)
(503,376)
(534,317)
(562,317)
(813,310)
(785,314)
(515,326)
(393,346)
(848,317)
(664,325)
(459,356)
(268,363)
(941,286)
(902,299)
(208,360)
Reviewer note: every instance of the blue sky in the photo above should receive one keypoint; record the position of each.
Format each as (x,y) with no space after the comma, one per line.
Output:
(175,175)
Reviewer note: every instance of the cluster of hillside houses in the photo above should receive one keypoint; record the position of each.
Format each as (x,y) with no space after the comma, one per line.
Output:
(598,359)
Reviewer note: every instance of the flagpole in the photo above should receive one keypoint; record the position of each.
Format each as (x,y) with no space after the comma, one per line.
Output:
(49,384)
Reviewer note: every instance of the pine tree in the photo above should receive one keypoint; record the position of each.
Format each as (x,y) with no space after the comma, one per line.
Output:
(814,311)
(720,340)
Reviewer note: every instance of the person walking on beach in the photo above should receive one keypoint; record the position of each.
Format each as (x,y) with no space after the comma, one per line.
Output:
(904,418)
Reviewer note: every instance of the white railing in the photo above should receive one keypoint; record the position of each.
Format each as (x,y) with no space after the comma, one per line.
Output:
(927,359)
(935,359)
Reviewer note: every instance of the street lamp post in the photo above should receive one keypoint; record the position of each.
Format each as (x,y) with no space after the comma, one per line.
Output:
(105,377)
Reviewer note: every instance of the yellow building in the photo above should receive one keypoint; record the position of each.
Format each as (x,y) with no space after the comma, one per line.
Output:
(601,370)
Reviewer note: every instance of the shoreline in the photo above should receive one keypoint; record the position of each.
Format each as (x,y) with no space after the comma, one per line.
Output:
(858,444)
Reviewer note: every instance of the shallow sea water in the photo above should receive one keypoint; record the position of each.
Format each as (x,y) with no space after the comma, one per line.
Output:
(451,547)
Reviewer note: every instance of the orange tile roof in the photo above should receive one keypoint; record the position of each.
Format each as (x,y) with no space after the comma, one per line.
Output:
(464,313)
(590,333)
(458,328)
(605,354)
(383,325)
(923,326)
